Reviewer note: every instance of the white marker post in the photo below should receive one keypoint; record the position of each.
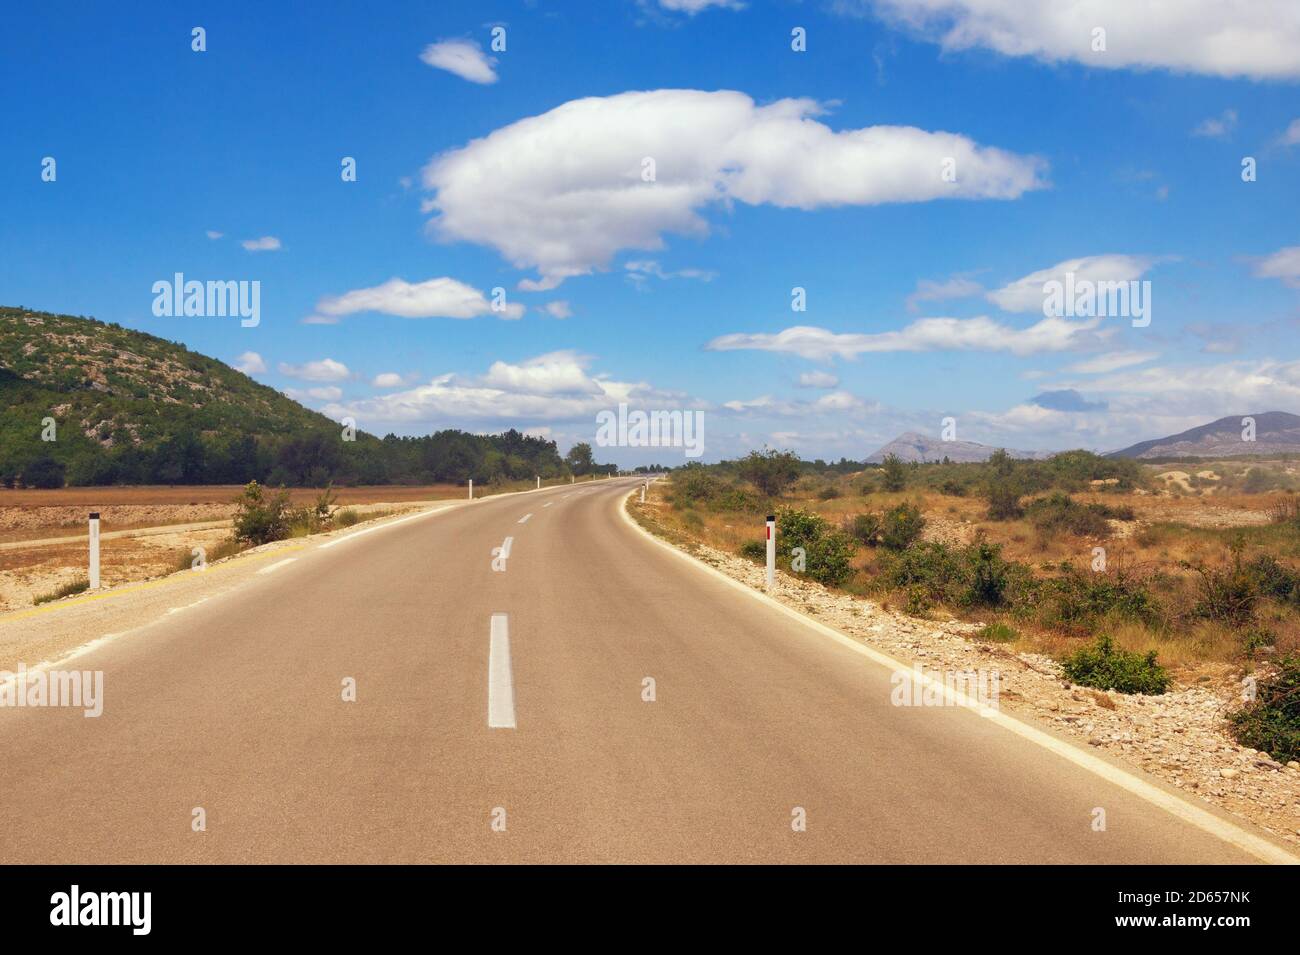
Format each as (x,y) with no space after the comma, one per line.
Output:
(643,493)
(539,482)
(94,550)
(572,478)
(471,489)
(771,550)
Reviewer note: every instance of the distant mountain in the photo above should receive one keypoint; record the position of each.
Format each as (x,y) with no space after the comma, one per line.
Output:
(1276,432)
(913,446)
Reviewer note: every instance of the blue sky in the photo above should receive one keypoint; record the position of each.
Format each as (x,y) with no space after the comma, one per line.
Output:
(774,169)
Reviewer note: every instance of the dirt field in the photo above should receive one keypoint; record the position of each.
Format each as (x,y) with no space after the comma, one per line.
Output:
(36,516)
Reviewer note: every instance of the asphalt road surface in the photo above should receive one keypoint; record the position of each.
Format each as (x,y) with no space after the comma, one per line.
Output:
(500,715)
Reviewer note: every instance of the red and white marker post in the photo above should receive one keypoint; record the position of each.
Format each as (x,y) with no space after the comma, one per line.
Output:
(771,550)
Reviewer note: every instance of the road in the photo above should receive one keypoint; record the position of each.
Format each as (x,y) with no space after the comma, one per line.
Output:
(235,706)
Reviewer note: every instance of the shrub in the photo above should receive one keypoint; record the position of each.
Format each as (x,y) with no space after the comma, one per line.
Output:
(754,550)
(1227,594)
(988,575)
(830,558)
(1271,722)
(1274,579)
(694,485)
(346,518)
(733,499)
(770,471)
(828,493)
(67,590)
(260,519)
(1004,502)
(998,633)
(1060,512)
(1104,667)
(901,527)
(895,473)
(972,576)
(44,472)
(865,528)
(1256,639)
(798,528)
(1081,599)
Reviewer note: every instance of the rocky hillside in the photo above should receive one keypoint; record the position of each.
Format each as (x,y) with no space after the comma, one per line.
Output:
(1276,432)
(913,446)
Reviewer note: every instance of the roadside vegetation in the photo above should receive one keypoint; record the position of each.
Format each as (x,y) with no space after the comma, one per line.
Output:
(80,585)
(1108,565)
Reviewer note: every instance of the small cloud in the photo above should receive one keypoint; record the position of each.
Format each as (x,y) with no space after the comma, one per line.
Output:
(1291,136)
(436,298)
(692,7)
(1111,361)
(1283,264)
(250,363)
(1217,127)
(1067,400)
(388,379)
(818,379)
(639,270)
(327,369)
(927,290)
(321,320)
(462,57)
(558,309)
(212,234)
(267,243)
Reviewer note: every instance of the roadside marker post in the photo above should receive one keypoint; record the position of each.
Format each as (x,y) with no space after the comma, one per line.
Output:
(539,482)
(771,550)
(643,487)
(94,550)
(471,489)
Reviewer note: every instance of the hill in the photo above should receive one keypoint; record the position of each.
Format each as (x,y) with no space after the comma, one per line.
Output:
(132,408)
(914,446)
(1276,432)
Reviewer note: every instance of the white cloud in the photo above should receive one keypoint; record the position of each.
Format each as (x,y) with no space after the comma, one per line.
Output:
(1217,127)
(436,298)
(928,290)
(462,57)
(1291,136)
(1259,39)
(558,309)
(818,379)
(267,243)
(549,388)
(1026,294)
(328,393)
(693,7)
(1283,264)
(327,369)
(556,373)
(832,403)
(387,379)
(250,363)
(564,191)
(927,334)
(1111,361)
(639,270)
(212,234)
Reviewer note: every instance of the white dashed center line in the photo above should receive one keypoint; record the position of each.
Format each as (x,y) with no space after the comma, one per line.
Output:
(501,686)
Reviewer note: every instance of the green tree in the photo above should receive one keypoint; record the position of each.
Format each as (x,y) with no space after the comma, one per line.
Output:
(580,459)
(770,471)
(895,478)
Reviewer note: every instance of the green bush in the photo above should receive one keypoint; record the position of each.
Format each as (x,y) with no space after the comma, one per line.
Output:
(829,552)
(864,528)
(734,499)
(1274,579)
(770,471)
(1226,594)
(754,550)
(828,493)
(998,633)
(694,485)
(1104,667)
(260,519)
(1080,600)
(971,576)
(1060,512)
(346,518)
(1271,722)
(901,527)
(895,473)
(1004,502)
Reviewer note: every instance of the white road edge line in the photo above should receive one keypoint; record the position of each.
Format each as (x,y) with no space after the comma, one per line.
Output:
(501,686)
(548,504)
(276,566)
(524,519)
(1186,811)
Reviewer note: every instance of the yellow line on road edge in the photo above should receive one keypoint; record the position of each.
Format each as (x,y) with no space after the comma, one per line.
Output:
(1233,834)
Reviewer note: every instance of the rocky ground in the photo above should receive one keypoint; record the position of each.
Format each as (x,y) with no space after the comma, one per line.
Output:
(1179,737)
